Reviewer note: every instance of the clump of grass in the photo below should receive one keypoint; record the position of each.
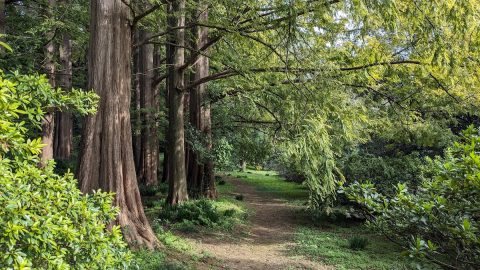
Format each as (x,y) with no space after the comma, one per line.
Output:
(221,182)
(358,243)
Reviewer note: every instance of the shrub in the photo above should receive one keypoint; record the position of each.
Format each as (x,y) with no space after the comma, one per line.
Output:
(148,190)
(201,212)
(441,221)
(357,243)
(45,221)
(385,172)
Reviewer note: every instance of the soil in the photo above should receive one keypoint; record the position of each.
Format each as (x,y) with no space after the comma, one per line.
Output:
(264,243)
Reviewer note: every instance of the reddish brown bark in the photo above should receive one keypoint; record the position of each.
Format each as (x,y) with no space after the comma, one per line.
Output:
(107,159)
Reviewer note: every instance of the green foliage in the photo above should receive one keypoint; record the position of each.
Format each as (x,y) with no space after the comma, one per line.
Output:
(153,190)
(439,222)
(223,152)
(45,221)
(153,260)
(357,243)
(274,184)
(203,214)
(385,172)
(330,245)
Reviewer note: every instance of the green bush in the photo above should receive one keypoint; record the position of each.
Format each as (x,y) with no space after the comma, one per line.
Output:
(201,212)
(441,220)
(357,243)
(45,221)
(385,172)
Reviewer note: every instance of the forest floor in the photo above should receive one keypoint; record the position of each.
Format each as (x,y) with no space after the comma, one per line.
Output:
(271,230)
(265,241)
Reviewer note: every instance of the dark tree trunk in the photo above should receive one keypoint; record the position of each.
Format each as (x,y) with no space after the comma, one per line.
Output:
(137,120)
(149,107)
(176,132)
(48,122)
(107,158)
(63,120)
(201,175)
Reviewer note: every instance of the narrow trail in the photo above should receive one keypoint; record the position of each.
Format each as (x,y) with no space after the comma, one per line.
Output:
(265,242)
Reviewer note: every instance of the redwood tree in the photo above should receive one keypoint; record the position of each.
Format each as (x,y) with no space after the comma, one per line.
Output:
(107,159)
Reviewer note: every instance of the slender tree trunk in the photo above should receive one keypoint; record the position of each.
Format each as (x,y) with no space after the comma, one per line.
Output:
(48,122)
(149,105)
(107,158)
(137,120)
(64,121)
(210,189)
(176,132)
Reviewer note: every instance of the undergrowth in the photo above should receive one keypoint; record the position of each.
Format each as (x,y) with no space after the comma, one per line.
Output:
(193,216)
(351,248)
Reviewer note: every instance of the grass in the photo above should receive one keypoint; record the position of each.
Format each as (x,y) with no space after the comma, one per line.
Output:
(332,246)
(154,260)
(331,243)
(271,182)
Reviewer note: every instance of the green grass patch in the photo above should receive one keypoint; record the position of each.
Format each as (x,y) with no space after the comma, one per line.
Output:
(332,246)
(153,260)
(271,182)
(225,188)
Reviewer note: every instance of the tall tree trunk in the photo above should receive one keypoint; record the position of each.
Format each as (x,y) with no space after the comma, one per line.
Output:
(149,105)
(201,175)
(107,158)
(48,122)
(176,131)
(137,119)
(210,189)
(63,120)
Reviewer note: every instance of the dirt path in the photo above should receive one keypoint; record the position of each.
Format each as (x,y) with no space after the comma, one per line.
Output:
(266,241)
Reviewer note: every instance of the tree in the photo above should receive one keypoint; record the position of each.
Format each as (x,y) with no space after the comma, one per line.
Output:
(63,120)
(177,192)
(48,124)
(107,161)
(149,110)
(201,180)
